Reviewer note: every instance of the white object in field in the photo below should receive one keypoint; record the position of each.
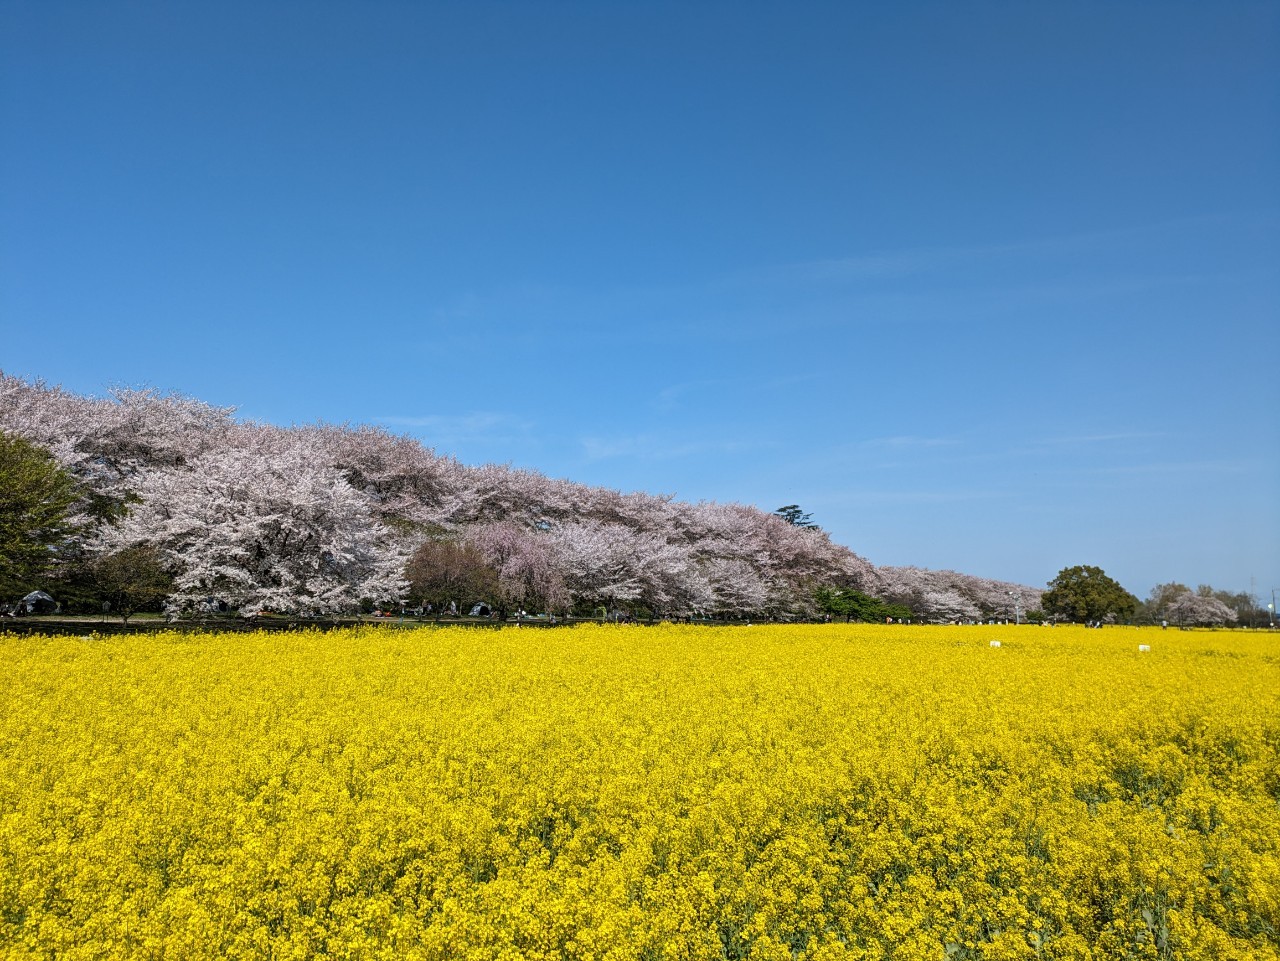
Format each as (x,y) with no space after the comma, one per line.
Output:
(1144,647)
(995,643)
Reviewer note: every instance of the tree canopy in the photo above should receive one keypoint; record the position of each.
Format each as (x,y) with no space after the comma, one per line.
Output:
(1086,593)
(793,515)
(129,580)
(36,499)
(443,571)
(1190,609)
(320,518)
(857,606)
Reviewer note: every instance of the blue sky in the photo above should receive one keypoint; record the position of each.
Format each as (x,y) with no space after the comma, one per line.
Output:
(986,286)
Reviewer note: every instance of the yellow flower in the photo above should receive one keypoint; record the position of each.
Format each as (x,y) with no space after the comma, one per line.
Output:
(613,793)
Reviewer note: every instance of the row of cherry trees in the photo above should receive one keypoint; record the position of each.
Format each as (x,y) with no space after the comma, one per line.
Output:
(949,596)
(315,518)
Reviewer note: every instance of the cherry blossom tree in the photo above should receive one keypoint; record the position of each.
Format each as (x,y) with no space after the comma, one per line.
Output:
(263,530)
(1190,609)
(527,576)
(107,441)
(947,607)
(108,444)
(735,586)
(615,565)
(931,594)
(408,486)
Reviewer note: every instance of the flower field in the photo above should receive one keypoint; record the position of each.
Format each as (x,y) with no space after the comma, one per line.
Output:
(611,792)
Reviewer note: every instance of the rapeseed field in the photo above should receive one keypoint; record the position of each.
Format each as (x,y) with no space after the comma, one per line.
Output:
(672,792)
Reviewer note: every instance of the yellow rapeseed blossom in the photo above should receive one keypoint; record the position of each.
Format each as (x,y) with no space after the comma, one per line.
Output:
(611,793)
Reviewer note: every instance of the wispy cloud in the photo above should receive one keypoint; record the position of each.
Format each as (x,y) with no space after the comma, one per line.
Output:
(1116,437)
(910,442)
(912,261)
(1174,467)
(648,446)
(674,396)
(875,286)
(450,429)
(859,498)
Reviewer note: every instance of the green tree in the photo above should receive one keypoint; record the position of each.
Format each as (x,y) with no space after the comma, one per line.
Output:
(793,515)
(1086,593)
(36,497)
(856,606)
(130,580)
